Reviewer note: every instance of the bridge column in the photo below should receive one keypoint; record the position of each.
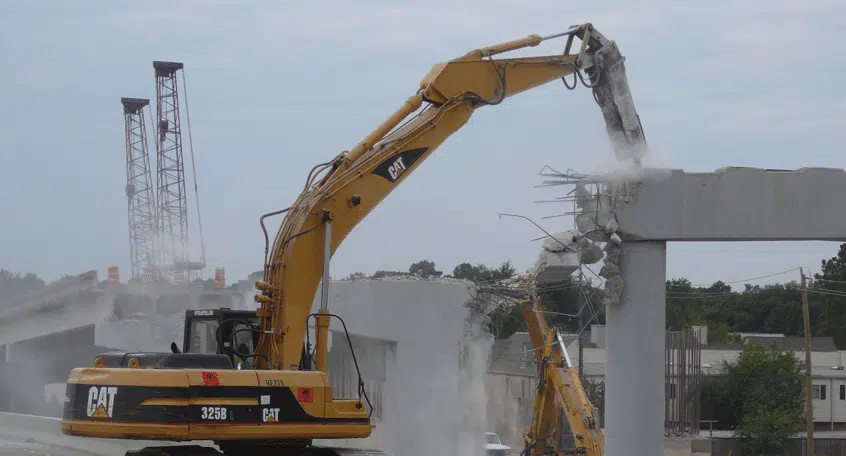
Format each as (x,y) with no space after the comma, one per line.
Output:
(634,370)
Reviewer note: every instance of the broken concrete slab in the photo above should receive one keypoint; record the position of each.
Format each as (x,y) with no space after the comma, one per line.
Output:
(553,267)
(562,254)
(559,257)
(737,204)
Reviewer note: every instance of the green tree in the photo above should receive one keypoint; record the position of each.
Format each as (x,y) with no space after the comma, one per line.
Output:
(684,305)
(566,300)
(711,400)
(424,268)
(762,395)
(774,308)
(256,276)
(505,321)
(206,284)
(563,302)
(718,333)
(828,311)
(356,276)
(383,273)
(17,286)
(595,390)
(482,273)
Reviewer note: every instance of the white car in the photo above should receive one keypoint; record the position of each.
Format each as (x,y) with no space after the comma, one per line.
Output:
(494,446)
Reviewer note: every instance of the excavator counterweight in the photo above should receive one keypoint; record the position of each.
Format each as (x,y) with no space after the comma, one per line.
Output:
(251,381)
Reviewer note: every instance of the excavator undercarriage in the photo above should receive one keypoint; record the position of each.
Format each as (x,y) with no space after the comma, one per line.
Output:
(251,382)
(207,387)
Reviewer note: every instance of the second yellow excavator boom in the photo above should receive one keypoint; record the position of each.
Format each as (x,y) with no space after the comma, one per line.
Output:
(561,402)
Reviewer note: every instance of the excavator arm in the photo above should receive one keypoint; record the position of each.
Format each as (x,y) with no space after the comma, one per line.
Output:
(340,193)
(560,396)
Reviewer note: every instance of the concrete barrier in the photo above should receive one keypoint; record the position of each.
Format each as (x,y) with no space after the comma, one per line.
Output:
(30,423)
(48,431)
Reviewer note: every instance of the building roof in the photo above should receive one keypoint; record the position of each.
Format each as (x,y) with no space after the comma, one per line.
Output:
(704,434)
(790,343)
(513,356)
(720,345)
(827,372)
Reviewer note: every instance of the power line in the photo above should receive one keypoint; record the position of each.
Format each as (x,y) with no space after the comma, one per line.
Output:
(829,280)
(749,280)
(824,291)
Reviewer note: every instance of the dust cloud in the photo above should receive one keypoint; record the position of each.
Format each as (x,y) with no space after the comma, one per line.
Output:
(436,393)
(471,406)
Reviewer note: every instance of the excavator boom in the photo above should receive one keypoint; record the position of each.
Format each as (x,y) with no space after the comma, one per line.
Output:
(560,402)
(356,181)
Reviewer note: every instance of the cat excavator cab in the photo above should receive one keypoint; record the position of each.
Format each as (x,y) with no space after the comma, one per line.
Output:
(276,396)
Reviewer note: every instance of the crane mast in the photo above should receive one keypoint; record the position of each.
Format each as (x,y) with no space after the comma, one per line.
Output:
(139,188)
(158,219)
(170,169)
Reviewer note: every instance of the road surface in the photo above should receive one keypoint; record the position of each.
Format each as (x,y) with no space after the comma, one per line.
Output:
(20,447)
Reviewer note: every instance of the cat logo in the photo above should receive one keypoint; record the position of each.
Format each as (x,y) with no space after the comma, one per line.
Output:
(101,401)
(396,169)
(270,415)
(395,166)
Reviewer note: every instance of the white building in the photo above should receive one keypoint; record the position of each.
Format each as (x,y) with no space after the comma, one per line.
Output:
(512,372)
(828,376)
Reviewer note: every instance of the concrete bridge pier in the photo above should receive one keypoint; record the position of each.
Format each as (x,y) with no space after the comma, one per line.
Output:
(731,204)
(634,381)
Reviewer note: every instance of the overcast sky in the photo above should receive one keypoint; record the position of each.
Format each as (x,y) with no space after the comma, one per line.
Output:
(275,87)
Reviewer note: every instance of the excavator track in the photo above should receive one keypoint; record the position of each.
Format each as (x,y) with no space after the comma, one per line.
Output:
(176,450)
(236,448)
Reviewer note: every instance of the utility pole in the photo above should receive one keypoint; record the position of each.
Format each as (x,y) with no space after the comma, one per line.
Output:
(581,329)
(810,397)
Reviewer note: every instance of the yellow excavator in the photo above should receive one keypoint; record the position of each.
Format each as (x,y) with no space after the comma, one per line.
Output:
(564,421)
(251,381)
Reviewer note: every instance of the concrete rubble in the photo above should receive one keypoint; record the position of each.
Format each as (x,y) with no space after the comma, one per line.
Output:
(597,234)
(562,253)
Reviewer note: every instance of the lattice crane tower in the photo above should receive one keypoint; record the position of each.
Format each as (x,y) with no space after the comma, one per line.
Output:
(139,188)
(171,194)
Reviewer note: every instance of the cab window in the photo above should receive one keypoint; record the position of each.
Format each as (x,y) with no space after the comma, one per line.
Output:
(244,344)
(203,336)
